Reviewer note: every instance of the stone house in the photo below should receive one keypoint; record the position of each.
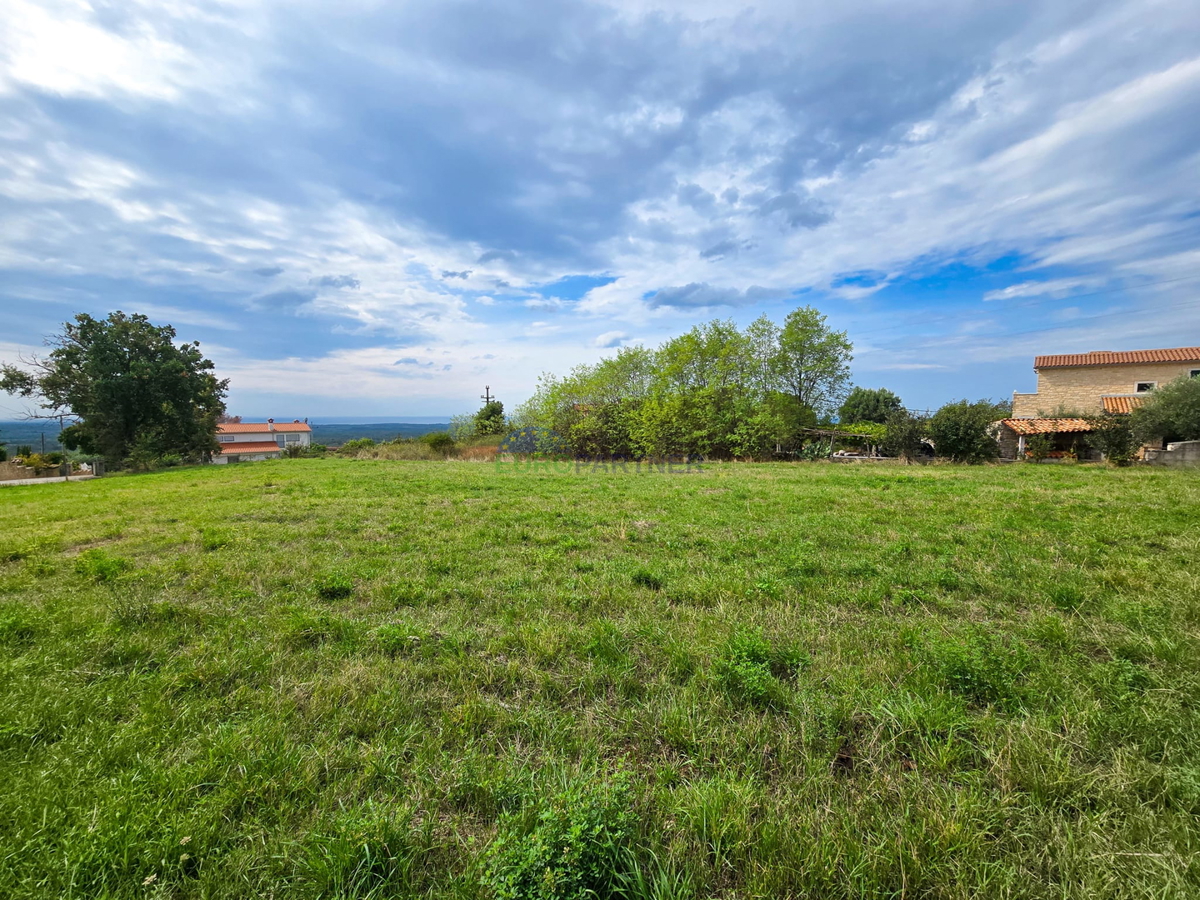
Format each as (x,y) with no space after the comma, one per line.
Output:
(1086,384)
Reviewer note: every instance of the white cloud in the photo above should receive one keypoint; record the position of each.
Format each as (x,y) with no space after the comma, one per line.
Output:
(610,339)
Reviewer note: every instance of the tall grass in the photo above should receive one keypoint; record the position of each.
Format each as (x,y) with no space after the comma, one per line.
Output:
(371,678)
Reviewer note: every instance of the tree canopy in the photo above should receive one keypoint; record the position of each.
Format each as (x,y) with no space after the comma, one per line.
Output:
(715,391)
(868,405)
(962,431)
(1172,411)
(132,391)
(490,418)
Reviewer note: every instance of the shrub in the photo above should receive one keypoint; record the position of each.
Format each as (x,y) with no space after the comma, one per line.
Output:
(1114,436)
(490,419)
(24,450)
(1172,411)
(569,846)
(439,442)
(1038,447)
(962,431)
(357,444)
(902,435)
(169,461)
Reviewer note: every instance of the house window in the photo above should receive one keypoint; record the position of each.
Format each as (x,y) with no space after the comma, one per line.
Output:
(225,438)
(1146,386)
(1195,373)
(292,438)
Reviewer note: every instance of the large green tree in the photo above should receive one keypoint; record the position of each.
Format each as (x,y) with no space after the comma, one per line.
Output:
(132,391)
(868,405)
(714,391)
(812,362)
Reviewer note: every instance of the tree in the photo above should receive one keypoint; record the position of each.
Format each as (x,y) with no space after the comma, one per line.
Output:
(867,405)
(1038,447)
(490,419)
(812,362)
(902,434)
(1114,436)
(132,391)
(962,431)
(1171,412)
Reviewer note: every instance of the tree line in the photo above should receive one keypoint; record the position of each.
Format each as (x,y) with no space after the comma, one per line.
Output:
(138,398)
(716,391)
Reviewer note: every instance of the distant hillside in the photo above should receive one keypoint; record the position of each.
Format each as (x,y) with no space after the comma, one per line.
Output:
(336,434)
(16,434)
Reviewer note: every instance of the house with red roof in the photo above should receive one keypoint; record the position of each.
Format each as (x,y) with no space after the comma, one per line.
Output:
(248,441)
(1086,384)
(1071,386)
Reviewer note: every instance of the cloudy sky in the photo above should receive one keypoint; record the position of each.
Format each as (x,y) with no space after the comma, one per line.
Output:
(375,208)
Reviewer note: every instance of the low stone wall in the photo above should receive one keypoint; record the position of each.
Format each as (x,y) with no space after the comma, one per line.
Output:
(1183,453)
(10,471)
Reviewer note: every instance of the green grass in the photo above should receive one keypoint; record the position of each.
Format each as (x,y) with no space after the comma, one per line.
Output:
(339,678)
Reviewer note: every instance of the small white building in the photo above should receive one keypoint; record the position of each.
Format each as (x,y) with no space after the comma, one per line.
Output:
(247,441)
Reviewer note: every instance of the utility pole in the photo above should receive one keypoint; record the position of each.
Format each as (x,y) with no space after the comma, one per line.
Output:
(486,396)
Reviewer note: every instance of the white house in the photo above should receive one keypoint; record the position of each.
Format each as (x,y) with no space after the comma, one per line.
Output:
(246,441)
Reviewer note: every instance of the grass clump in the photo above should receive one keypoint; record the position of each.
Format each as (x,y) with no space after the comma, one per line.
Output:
(569,845)
(978,665)
(100,566)
(648,580)
(752,669)
(212,539)
(334,586)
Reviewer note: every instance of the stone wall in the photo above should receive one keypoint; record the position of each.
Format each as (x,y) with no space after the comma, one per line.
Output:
(1182,453)
(1078,389)
(10,471)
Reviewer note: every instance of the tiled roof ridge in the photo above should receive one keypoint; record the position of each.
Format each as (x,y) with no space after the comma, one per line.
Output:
(237,447)
(1117,357)
(260,427)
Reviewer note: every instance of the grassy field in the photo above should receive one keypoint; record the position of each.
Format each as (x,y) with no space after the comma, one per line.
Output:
(341,678)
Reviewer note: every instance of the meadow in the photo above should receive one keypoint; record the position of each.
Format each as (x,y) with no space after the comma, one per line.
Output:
(368,678)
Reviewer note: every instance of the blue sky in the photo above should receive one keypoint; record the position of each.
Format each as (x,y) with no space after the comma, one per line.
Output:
(371,209)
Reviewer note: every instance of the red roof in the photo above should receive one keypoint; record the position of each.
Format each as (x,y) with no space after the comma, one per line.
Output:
(250,447)
(1121,358)
(260,427)
(1047,426)
(1122,404)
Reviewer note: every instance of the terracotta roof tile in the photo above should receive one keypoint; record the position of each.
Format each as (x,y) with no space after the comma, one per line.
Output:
(1122,404)
(1047,426)
(1110,358)
(260,427)
(239,447)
